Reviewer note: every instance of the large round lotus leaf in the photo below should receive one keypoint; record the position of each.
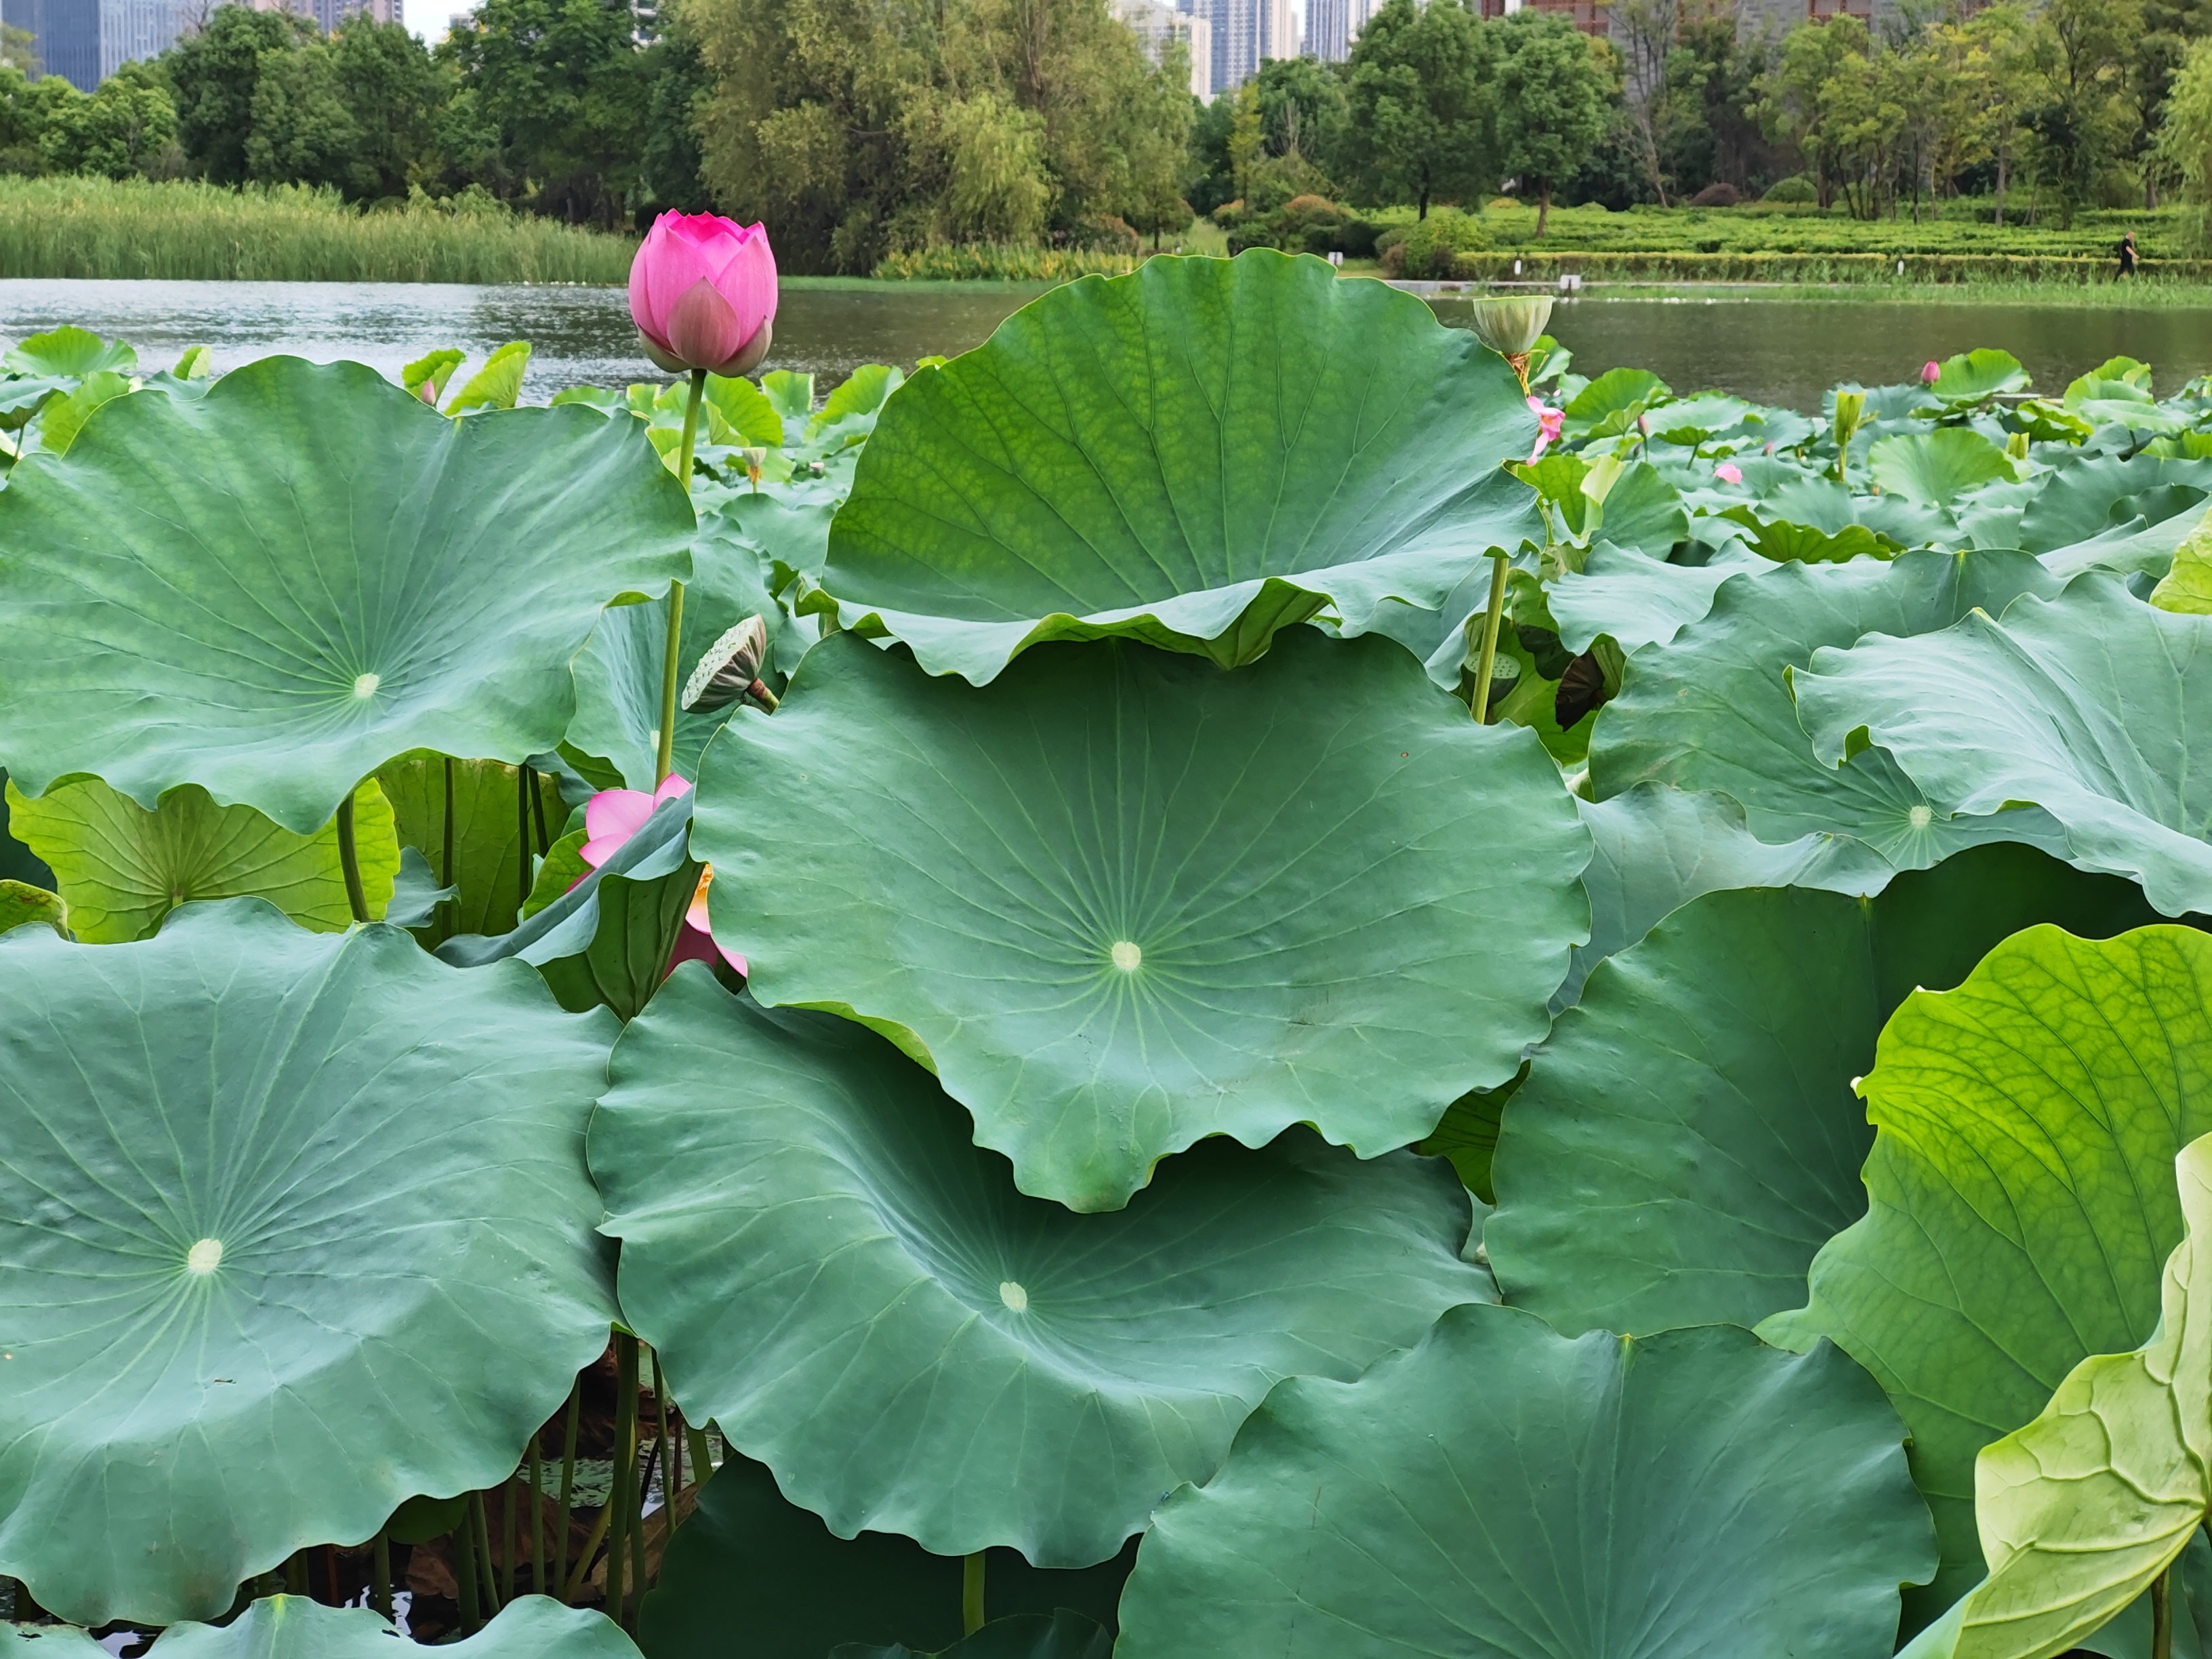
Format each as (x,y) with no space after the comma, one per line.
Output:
(1193,455)
(1714,709)
(1505,1493)
(1935,468)
(618,675)
(834,1273)
(293,1226)
(2020,1188)
(747,1561)
(1637,600)
(2091,706)
(293,1627)
(272,590)
(2084,497)
(2080,1509)
(1687,1138)
(123,868)
(1122,899)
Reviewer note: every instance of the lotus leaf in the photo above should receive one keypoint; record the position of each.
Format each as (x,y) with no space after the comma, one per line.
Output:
(497,384)
(65,417)
(1936,468)
(69,352)
(273,590)
(122,869)
(1638,601)
(1641,510)
(1610,404)
(1977,376)
(618,674)
(1695,420)
(21,904)
(2187,587)
(1128,900)
(487,834)
(2083,704)
(1505,1493)
(1196,455)
(1714,710)
(273,1201)
(1066,1635)
(2079,500)
(2020,1199)
(978,1369)
(1688,1139)
(747,1559)
(2079,1509)
(2145,540)
(293,1627)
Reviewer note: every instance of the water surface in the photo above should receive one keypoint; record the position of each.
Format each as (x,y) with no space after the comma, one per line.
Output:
(1773,350)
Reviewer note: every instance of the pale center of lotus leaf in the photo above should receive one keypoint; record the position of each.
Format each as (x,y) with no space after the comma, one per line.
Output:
(1013,1296)
(205,1256)
(1921,816)
(1127,956)
(366,685)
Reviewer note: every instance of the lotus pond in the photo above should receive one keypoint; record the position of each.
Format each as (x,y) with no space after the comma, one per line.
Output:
(1099,1109)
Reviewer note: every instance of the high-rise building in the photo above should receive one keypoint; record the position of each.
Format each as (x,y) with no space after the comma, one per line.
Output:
(85,41)
(1234,27)
(327,15)
(1278,30)
(1158,24)
(1332,26)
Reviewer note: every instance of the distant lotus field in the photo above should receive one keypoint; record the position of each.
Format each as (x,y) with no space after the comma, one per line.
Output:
(1240,977)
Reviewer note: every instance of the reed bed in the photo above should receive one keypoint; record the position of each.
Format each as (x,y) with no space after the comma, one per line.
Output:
(182,230)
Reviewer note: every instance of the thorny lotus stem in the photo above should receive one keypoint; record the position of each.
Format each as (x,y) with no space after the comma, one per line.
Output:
(480,1524)
(1488,660)
(522,838)
(379,1583)
(349,860)
(506,1538)
(2162,1615)
(445,859)
(465,1570)
(620,1500)
(574,1587)
(670,665)
(971,1593)
(568,1493)
(672,1466)
(637,1533)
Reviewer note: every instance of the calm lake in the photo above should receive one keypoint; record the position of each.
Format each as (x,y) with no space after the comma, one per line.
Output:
(1784,351)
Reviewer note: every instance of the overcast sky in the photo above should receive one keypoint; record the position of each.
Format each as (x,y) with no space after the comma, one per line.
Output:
(430,18)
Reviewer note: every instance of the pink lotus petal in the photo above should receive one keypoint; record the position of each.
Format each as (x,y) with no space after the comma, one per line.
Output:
(703,328)
(701,286)
(613,815)
(1930,373)
(1729,472)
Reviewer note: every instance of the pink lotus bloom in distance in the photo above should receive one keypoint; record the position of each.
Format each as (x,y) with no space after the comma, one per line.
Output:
(611,818)
(1729,472)
(1549,420)
(1930,373)
(703,293)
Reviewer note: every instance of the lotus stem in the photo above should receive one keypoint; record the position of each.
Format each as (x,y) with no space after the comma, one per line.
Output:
(592,1543)
(506,1538)
(672,1469)
(664,760)
(380,1583)
(568,1491)
(702,1462)
(536,1518)
(619,1497)
(522,838)
(1488,659)
(445,859)
(637,1531)
(537,810)
(2162,1615)
(295,1573)
(971,1593)
(1518,362)
(349,860)
(480,1525)
(464,1571)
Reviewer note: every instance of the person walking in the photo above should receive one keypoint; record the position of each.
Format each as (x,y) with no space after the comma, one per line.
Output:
(2128,254)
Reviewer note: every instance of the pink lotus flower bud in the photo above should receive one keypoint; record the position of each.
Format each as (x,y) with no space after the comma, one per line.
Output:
(1729,472)
(611,818)
(703,293)
(1930,373)
(1549,423)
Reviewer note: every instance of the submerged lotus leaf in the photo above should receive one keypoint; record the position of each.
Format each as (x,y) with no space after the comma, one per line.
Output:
(1687,1138)
(1715,711)
(836,1274)
(293,1627)
(749,1558)
(272,590)
(273,1201)
(123,868)
(2084,705)
(1124,899)
(1505,1493)
(2021,1199)
(1195,455)
(2080,1509)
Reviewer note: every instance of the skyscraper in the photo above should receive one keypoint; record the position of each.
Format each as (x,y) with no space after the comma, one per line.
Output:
(85,41)
(1158,23)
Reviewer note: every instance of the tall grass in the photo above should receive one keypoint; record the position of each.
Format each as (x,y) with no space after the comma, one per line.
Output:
(1000,262)
(80,226)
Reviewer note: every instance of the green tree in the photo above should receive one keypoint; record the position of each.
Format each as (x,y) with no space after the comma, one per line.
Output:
(215,74)
(19,50)
(300,130)
(2185,140)
(1550,98)
(26,110)
(1302,107)
(1415,106)
(673,162)
(2082,119)
(394,91)
(1800,100)
(125,129)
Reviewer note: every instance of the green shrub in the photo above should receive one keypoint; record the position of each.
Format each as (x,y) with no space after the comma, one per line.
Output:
(1432,245)
(1796,188)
